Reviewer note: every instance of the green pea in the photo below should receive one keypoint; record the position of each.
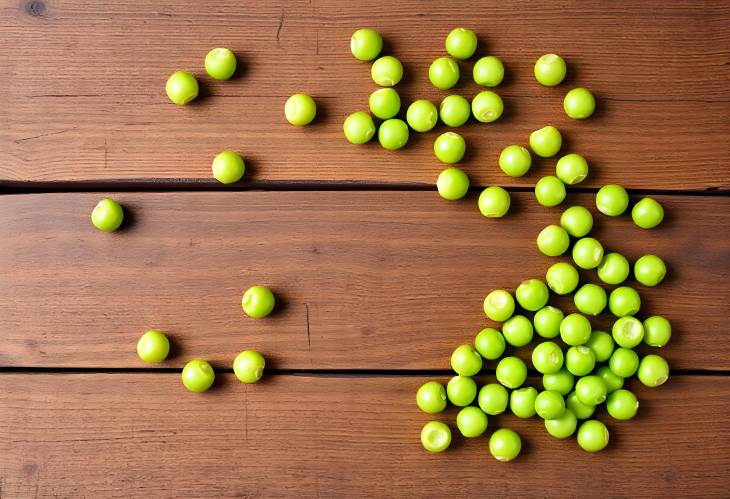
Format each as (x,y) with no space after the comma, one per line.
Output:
(612,380)
(422,115)
(647,213)
(578,408)
(580,360)
(562,426)
(494,202)
(591,390)
(553,240)
(461,390)
(593,436)
(443,73)
(517,330)
(366,44)
(107,215)
(181,87)
(488,71)
(624,301)
(489,343)
(359,128)
(549,404)
(577,221)
(153,346)
(198,375)
(449,147)
(627,332)
(650,270)
(393,134)
(454,110)
(228,167)
(532,294)
(471,421)
(572,169)
(487,106)
(461,43)
(653,371)
(575,330)
(387,71)
(624,362)
(546,142)
(493,399)
(561,381)
(579,103)
(466,361)
(220,64)
(435,436)
(258,301)
(602,345)
(547,321)
(550,70)
(550,191)
(248,366)
(657,331)
(499,305)
(511,372)
(384,103)
(452,184)
(562,278)
(515,160)
(547,357)
(587,253)
(505,445)
(522,402)
(590,299)
(622,405)
(614,268)
(612,200)
(431,397)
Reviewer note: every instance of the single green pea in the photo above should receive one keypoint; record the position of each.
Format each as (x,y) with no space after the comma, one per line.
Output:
(602,345)
(547,321)
(653,371)
(384,103)
(553,240)
(627,332)
(431,397)
(593,436)
(550,191)
(572,169)
(657,331)
(612,200)
(580,360)
(591,390)
(511,372)
(228,167)
(258,301)
(220,63)
(422,115)
(435,436)
(505,445)
(587,253)
(650,270)
(562,278)
(612,381)
(461,390)
(577,221)
(493,399)
(393,134)
(546,142)
(547,357)
(550,70)
(563,426)
(575,330)
(489,343)
(578,408)
(624,362)
(487,106)
(248,366)
(647,213)
(198,375)
(181,87)
(386,71)
(359,128)
(614,268)
(454,110)
(461,43)
(549,404)
(449,147)
(494,202)
(499,305)
(107,215)
(153,346)
(471,421)
(452,184)
(515,160)
(517,330)
(488,71)
(532,294)
(579,103)
(366,44)
(590,299)
(622,405)
(624,301)
(561,381)
(466,361)
(522,402)
(443,73)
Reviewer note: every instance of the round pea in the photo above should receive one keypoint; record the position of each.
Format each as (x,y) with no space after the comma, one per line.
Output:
(522,402)
(612,200)
(452,184)
(461,390)
(515,160)
(494,202)
(624,362)
(591,390)
(435,436)
(499,305)
(511,372)
(258,301)
(517,330)
(532,294)
(549,404)
(449,147)
(422,115)
(587,253)
(505,444)
(602,345)
(488,71)
(248,366)
(622,405)
(443,73)
(454,110)
(493,399)
(561,381)
(153,346)
(487,106)
(580,360)
(577,221)
(627,332)
(553,240)
(546,142)
(579,103)
(550,191)
(562,278)
(657,331)
(489,343)
(647,213)
(547,357)
(461,43)
(612,380)
(107,215)
(197,375)
(393,134)
(181,87)
(590,299)
(653,371)
(386,71)
(578,408)
(593,436)
(466,361)
(575,330)
(384,103)
(547,321)
(614,268)
(359,128)
(366,44)
(624,301)
(220,63)
(431,397)
(550,70)
(562,426)
(228,167)
(650,270)
(572,169)
(471,421)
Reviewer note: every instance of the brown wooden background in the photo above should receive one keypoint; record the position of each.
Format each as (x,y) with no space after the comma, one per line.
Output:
(378,278)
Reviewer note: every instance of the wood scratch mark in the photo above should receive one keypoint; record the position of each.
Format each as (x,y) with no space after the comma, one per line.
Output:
(309,340)
(245,414)
(18,141)
(281,23)
(106,151)
(316,41)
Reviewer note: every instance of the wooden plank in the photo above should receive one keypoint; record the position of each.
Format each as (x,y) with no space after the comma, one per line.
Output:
(83,87)
(109,435)
(375,280)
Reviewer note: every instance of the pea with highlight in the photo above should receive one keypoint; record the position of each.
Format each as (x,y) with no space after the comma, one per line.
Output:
(579,103)
(443,73)
(487,106)
(387,71)
(494,202)
(488,71)
(515,160)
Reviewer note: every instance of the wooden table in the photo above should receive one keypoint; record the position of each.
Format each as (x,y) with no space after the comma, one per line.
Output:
(378,279)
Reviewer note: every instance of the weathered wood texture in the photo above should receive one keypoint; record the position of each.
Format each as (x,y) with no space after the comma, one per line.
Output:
(365,279)
(83,88)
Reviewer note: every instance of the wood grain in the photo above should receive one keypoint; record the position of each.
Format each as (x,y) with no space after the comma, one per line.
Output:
(373,280)
(142,435)
(83,84)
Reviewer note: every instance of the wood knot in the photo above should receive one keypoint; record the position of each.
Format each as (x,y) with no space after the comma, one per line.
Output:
(35,8)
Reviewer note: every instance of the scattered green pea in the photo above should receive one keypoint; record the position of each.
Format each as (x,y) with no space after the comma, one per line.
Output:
(622,405)
(653,371)
(579,103)
(449,147)
(550,70)
(471,421)
(487,106)
(562,426)
(493,399)
(228,167)
(590,299)
(572,169)
(393,134)
(431,397)
(657,331)
(384,103)
(435,436)
(612,380)
(220,64)
(612,200)
(575,330)
(515,160)
(577,221)
(505,444)
(522,402)
(562,278)
(578,408)
(532,294)
(443,73)
(452,184)
(461,390)
(547,321)
(181,87)
(387,71)
(466,361)
(366,44)
(550,191)
(248,366)
(580,360)
(499,305)
(359,128)
(454,110)
(494,202)
(624,362)
(561,381)
(488,71)
(489,343)
(546,142)
(593,436)
(198,375)
(511,372)
(547,357)
(624,301)
(258,301)
(107,215)
(602,345)
(153,346)
(553,240)
(650,270)
(461,43)
(627,332)
(517,330)
(614,268)
(549,404)
(422,115)
(647,213)
(587,253)
(591,390)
